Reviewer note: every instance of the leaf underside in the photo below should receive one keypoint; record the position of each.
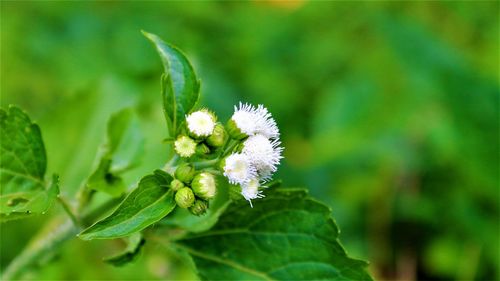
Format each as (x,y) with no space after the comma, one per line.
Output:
(134,245)
(22,167)
(148,203)
(120,152)
(286,236)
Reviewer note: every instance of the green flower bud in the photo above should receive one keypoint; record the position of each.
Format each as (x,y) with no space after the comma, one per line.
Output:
(199,207)
(202,149)
(185,146)
(184,197)
(218,136)
(234,131)
(176,185)
(204,185)
(185,172)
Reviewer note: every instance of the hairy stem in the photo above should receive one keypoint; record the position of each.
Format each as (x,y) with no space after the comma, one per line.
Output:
(50,239)
(60,230)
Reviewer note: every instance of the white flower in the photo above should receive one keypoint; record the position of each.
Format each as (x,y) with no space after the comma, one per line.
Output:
(263,153)
(201,123)
(251,190)
(265,123)
(185,146)
(251,120)
(238,169)
(245,118)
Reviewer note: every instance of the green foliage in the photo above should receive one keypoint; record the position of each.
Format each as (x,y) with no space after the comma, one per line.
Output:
(263,244)
(180,86)
(22,168)
(120,153)
(148,203)
(390,112)
(135,243)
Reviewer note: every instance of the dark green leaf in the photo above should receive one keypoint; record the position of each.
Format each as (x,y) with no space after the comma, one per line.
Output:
(121,152)
(180,86)
(131,253)
(145,205)
(22,167)
(286,236)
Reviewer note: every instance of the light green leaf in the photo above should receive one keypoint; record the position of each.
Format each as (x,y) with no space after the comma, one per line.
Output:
(131,253)
(286,236)
(180,86)
(22,167)
(148,203)
(122,151)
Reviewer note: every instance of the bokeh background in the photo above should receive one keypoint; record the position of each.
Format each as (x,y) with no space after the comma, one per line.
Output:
(389,113)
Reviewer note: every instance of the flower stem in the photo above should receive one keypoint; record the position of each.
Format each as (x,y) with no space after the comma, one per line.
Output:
(50,239)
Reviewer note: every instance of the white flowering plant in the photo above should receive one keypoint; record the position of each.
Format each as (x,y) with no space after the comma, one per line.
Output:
(215,201)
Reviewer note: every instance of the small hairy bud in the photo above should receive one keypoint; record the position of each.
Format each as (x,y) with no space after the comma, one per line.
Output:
(184,197)
(185,172)
(202,149)
(176,184)
(185,146)
(218,136)
(199,207)
(204,185)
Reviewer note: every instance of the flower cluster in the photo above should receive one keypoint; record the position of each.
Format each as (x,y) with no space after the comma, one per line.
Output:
(247,150)
(260,152)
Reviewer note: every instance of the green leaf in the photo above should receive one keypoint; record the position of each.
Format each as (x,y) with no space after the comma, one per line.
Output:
(22,167)
(145,205)
(180,86)
(131,253)
(121,152)
(286,236)
(26,203)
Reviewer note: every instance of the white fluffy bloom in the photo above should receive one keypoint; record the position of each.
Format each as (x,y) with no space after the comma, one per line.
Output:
(266,125)
(185,146)
(238,169)
(263,153)
(245,118)
(251,190)
(201,123)
(255,120)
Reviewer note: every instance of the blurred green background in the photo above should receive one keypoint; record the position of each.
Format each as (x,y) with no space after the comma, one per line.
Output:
(389,113)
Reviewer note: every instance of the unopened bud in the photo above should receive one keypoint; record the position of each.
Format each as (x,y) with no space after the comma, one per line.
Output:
(185,172)
(218,136)
(176,184)
(184,197)
(199,207)
(204,185)
(202,149)
(234,131)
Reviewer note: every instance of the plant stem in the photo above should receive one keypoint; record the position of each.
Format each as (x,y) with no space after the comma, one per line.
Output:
(170,166)
(60,230)
(67,208)
(205,164)
(50,239)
